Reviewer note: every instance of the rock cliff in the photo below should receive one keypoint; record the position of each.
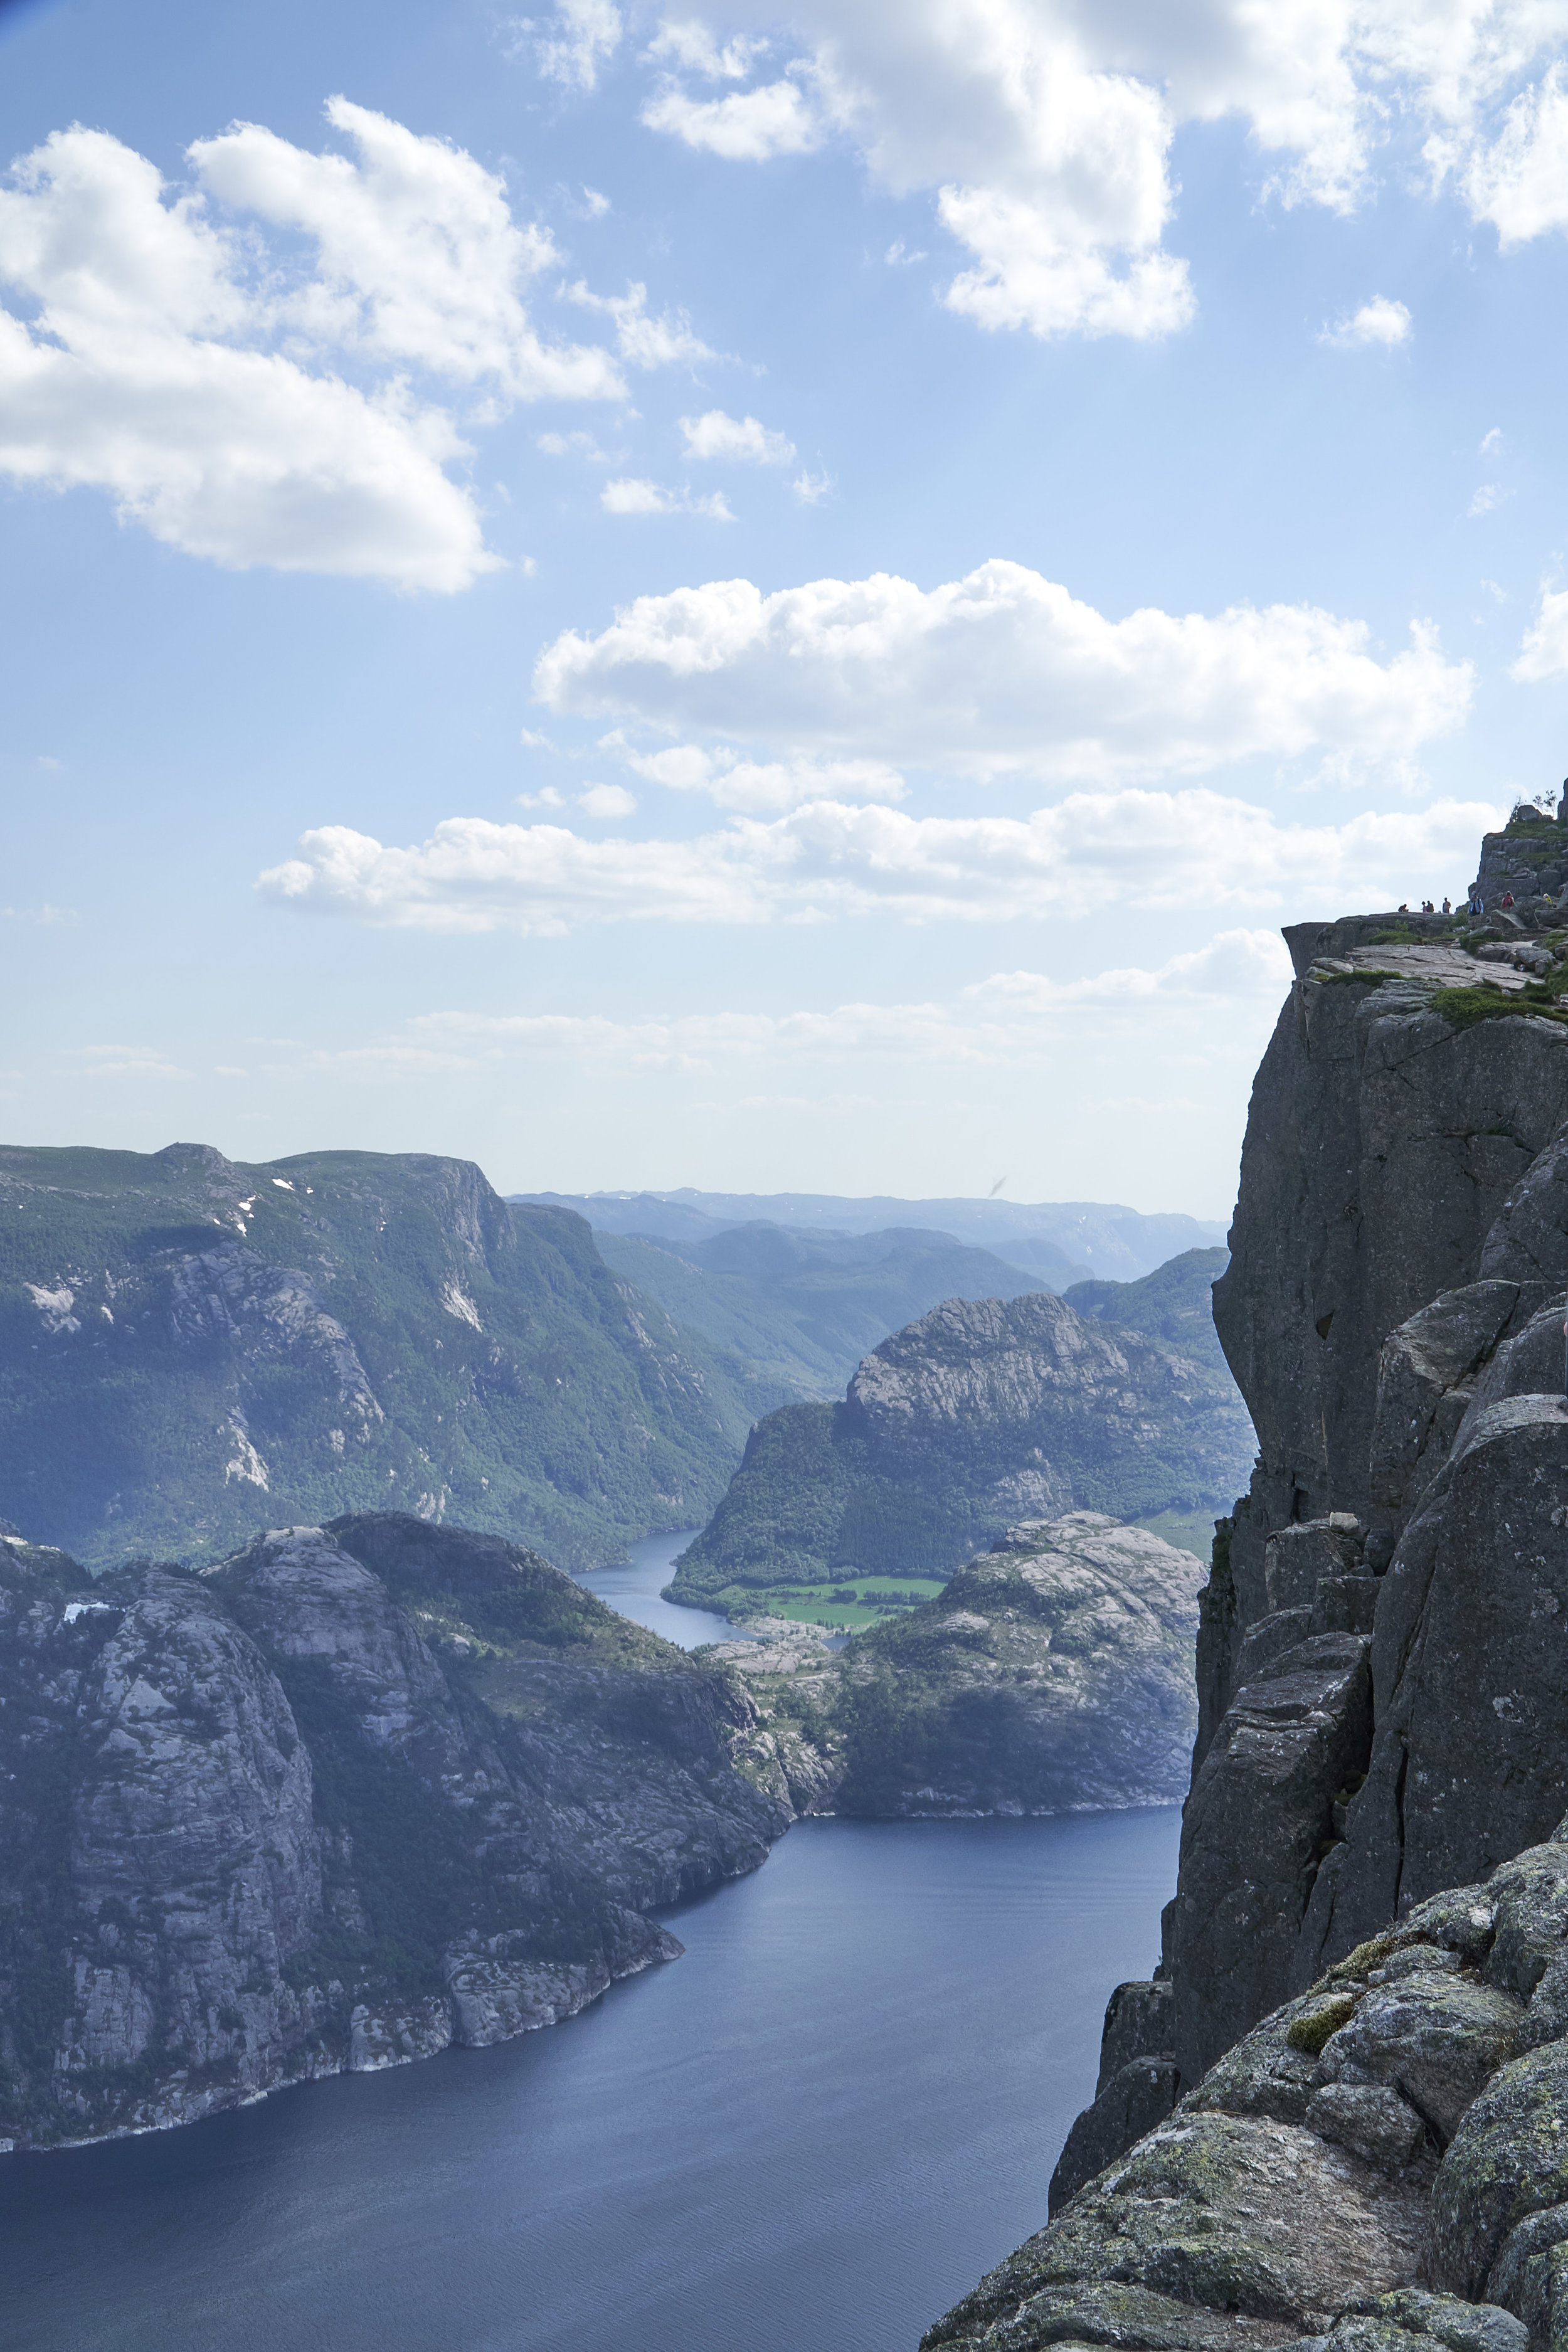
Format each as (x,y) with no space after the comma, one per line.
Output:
(1053,1674)
(979,1416)
(190,1347)
(353,1793)
(1372,1860)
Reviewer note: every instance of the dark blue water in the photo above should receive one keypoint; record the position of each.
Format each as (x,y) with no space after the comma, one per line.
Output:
(809,2134)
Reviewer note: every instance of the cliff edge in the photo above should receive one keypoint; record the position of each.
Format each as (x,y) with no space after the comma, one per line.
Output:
(1371,1860)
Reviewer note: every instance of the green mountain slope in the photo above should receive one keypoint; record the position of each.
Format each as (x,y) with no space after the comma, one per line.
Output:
(1174,1303)
(806,1307)
(979,1416)
(189,1347)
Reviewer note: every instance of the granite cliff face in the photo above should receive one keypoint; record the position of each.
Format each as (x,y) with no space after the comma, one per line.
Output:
(979,1416)
(1053,1674)
(1372,1856)
(190,1347)
(353,1794)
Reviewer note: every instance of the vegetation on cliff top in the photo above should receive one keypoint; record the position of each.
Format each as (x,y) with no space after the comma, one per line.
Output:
(189,1346)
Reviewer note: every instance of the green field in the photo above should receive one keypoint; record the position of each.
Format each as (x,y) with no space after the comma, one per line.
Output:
(1188,1530)
(875,1600)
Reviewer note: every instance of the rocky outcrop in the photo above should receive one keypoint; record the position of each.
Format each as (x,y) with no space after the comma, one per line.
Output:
(349,1796)
(1384,1723)
(1053,1674)
(1381,2166)
(980,1415)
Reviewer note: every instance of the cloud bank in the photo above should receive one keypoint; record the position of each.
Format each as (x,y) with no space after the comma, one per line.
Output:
(830,859)
(1004,672)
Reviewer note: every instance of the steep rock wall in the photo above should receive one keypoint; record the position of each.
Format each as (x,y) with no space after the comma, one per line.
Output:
(1383,1708)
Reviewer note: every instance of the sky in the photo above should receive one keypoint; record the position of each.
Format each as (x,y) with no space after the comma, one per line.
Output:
(758,597)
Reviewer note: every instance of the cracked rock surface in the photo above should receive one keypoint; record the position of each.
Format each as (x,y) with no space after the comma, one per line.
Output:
(353,1794)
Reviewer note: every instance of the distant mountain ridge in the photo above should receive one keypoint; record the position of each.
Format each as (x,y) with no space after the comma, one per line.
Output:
(976,1416)
(806,1307)
(1092,1237)
(190,1346)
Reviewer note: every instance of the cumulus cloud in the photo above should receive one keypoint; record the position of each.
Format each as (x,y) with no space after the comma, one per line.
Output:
(1127,850)
(1490,495)
(759,787)
(418,257)
(1520,182)
(1004,672)
(607,802)
(1042,128)
(1544,653)
(735,439)
(1377,322)
(191,371)
(632,495)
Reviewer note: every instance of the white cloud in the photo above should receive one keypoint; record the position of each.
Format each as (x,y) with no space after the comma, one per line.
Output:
(126,1062)
(810,489)
(1004,672)
(740,440)
(546,797)
(690,43)
(581,36)
(899,257)
(1489,496)
(594,204)
(1490,442)
(777,118)
(1520,182)
(759,787)
(1043,127)
(632,495)
(1125,850)
(189,371)
(1010,1020)
(608,801)
(1377,322)
(1544,653)
(419,255)
(576,445)
(645,342)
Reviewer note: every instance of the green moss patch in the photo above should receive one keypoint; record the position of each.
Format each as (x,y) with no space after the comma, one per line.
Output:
(1462,1008)
(1309,2034)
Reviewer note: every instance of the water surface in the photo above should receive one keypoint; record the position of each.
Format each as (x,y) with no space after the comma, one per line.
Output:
(634,1590)
(809,2134)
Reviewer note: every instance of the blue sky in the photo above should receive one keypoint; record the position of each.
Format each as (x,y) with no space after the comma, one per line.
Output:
(756,599)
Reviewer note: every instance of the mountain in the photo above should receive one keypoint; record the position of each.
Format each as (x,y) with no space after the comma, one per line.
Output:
(976,1415)
(804,1307)
(1173,1305)
(1338,2110)
(1087,1237)
(189,1346)
(349,1796)
(1053,1674)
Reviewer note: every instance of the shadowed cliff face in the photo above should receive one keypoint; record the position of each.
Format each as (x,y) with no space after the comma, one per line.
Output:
(1378,2166)
(353,1794)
